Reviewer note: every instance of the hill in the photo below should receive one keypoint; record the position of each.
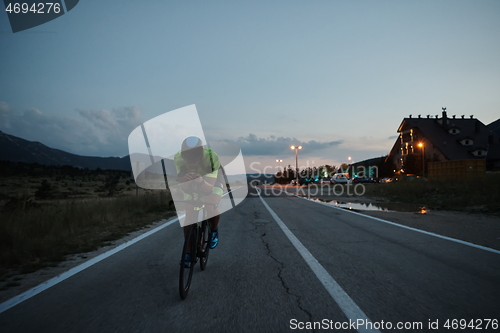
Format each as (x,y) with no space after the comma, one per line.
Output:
(15,149)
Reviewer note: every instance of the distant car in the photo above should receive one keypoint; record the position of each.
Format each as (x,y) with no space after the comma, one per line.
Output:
(359,180)
(325,181)
(339,179)
(304,181)
(386,180)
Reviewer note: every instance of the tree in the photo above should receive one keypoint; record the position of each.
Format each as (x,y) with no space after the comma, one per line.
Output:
(45,190)
(344,168)
(330,170)
(110,184)
(290,174)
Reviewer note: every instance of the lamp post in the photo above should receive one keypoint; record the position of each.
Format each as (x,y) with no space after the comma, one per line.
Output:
(349,167)
(279,168)
(421,145)
(296,148)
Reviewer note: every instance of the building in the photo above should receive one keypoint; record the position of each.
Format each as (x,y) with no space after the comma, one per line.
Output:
(443,139)
(370,168)
(495,127)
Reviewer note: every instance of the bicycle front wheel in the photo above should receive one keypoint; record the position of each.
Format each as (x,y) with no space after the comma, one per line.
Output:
(186,270)
(204,244)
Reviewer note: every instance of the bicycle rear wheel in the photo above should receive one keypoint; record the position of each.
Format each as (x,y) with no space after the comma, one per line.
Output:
(204,244)
(186,271)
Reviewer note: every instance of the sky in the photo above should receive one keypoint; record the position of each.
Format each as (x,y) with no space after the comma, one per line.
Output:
(336,77)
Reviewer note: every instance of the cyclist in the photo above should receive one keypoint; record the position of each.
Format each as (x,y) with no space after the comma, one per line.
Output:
(198,172)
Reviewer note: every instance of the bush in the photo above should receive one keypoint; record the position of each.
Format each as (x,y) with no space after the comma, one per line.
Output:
(45,190)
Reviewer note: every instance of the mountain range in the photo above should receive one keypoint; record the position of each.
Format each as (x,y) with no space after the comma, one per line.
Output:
(16,149)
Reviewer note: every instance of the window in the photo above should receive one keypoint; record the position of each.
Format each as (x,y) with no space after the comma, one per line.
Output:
(467,142)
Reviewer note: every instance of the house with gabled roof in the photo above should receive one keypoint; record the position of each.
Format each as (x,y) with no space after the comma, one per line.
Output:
(444,139)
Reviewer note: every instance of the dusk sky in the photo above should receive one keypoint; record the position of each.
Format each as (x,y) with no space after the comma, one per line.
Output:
(336,77)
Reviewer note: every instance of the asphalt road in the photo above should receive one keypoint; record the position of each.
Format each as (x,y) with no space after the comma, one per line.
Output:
(257,281)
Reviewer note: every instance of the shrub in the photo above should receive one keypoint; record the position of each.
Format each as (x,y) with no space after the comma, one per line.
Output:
(45,190)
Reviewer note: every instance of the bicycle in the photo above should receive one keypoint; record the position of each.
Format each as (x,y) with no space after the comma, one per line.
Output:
(196,242)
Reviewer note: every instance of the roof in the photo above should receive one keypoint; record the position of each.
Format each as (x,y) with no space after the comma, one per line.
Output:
(449,144)
(495,127)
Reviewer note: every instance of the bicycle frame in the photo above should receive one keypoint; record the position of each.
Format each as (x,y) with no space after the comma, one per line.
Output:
(196,242)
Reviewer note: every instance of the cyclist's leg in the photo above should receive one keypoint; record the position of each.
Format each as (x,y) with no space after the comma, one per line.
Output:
(191,215)
(212,210)
(213,213)
(214,222)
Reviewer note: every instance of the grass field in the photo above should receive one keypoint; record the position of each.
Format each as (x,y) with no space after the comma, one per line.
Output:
(481,195)
(45,218)
(473,196)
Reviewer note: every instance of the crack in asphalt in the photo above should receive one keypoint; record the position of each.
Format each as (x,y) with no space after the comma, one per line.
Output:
(281,266)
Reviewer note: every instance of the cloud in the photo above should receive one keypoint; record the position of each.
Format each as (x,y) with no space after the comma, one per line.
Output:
(102,119)
(375,144)
(4,108)
(85,132)
(274,146)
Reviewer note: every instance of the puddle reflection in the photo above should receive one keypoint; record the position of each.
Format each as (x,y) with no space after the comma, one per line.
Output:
(383,207)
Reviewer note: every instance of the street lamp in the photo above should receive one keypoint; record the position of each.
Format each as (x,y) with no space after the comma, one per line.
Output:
(421,145)
(279,168)
(279,164)
(349,167)
(296,148)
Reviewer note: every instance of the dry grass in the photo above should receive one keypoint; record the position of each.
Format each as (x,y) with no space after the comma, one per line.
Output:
(78,216)
(474,196)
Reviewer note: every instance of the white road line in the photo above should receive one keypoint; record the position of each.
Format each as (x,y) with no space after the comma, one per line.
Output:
(52,282)
(346,304)
(409,228)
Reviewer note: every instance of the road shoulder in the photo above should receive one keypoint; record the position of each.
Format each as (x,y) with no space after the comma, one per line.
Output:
(478,229)
(16,284)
